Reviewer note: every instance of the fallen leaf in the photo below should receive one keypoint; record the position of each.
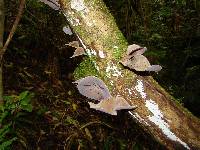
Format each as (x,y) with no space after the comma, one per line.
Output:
(87,132)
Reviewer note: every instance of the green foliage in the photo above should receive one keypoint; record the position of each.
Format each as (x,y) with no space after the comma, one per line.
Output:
(5,145)
(110,141)
(137,146)
(70,121)
(10,113)
(18,102)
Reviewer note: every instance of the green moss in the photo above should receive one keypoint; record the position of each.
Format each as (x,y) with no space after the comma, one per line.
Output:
(118,53)
(116,38)
(108,41)
(85,68)
(99,4)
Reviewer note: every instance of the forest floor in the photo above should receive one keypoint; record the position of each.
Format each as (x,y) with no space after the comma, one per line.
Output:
(61,117)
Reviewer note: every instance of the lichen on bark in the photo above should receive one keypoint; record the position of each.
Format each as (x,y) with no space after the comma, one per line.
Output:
(98,30)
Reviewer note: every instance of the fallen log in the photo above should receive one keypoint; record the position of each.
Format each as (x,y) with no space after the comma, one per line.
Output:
(158,113)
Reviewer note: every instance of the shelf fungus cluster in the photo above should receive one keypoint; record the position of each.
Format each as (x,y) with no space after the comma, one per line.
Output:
(95,89)
(135,60)
(79,50)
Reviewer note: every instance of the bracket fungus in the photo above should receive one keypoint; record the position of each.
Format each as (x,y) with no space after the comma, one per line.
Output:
(111,105)
(135,60)
(94,88)
(67,30)
(79,50)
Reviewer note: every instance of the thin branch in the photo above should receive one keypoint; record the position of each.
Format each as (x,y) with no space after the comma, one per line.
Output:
(2,18)
(96,122)
(14,27)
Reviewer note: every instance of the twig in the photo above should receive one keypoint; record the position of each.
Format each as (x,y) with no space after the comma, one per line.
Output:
(14,27)
(96,122)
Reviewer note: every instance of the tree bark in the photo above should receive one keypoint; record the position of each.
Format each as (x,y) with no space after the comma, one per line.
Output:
(159,114)
(2,16)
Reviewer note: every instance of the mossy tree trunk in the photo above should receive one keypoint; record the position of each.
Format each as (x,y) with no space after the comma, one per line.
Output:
(1,46)
(157,112)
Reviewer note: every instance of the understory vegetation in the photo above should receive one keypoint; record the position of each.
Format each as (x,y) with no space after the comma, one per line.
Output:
(43,109)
